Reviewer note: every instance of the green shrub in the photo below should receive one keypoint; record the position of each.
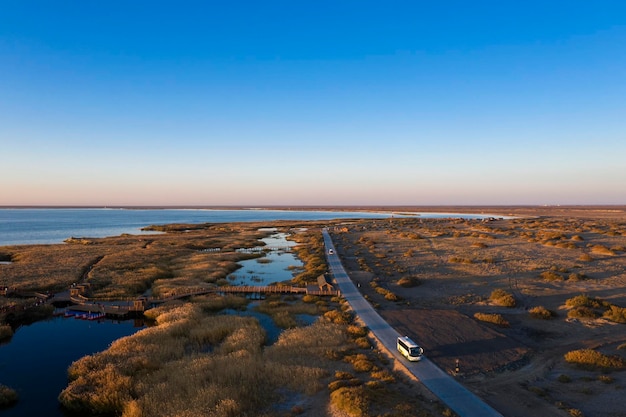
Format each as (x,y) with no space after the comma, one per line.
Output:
(593,360)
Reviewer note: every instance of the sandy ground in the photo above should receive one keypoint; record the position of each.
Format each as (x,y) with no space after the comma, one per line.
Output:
(520,369)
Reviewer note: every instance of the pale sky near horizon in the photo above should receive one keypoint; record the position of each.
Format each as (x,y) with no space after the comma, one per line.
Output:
(312,102)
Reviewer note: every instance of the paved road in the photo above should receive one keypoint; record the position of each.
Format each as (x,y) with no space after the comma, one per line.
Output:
(444,386)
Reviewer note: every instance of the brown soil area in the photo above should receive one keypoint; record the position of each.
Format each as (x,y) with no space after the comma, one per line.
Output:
(518,369)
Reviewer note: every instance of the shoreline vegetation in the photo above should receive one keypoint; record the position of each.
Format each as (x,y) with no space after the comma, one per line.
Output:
(539,298)
(210,363)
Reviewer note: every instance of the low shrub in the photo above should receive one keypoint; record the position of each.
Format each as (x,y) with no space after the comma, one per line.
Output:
(392,297)
(538,390)
(363,343)
(459,260)
(616,314)
(8,396)
(551,276)
(606,379)
(360,362)
(338,317)
(593,360)
(583,312)
(351,400)
(383,375)
(602,250)
(542,313)
(497,319)
(576,276)
(565,379)
(310,298)
(586,301)
(409,281)
(214,304)
(502,298)
(357,331)
(343,375)
(340,383)
(6,332)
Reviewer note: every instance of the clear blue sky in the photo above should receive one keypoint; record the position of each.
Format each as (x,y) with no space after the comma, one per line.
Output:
(312,102)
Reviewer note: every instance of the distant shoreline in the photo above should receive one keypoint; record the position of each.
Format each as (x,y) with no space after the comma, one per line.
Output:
(601,210)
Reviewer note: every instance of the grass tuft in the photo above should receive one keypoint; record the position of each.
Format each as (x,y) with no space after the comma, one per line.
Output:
(593,360)
(502,298)
(541,313)
(496,319)
(8,396)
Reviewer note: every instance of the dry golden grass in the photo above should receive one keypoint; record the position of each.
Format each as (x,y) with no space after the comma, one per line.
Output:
(542,313)
(8,396)
(166,370)
(493,318)
(284,313)
(594,360)
(502,298)
(126,266)
(6,332)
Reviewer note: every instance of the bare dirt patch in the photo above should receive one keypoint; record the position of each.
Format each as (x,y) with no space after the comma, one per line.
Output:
(447,335)
(541,261)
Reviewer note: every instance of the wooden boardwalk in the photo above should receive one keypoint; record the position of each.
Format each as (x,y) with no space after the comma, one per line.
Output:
(133,306)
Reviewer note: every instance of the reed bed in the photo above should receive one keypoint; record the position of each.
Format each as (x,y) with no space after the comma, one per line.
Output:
(285,313)
(8,396)
(193,363)
(6,332)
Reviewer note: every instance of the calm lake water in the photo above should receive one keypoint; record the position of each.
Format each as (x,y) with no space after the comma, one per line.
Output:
(35,226)
(35,361)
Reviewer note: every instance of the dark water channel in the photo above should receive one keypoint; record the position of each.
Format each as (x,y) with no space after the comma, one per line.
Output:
(35,361)
(275,266)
